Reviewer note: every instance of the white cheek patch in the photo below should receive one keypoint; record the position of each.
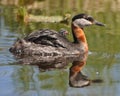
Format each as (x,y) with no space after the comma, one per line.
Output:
(82,22)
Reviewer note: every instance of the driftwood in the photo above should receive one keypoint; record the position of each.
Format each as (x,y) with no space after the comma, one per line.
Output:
(50,19)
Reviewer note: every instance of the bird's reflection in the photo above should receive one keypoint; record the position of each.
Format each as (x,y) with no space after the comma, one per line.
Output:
(76,77)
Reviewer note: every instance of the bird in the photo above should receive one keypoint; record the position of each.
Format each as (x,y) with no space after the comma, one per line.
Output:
(48,42)
(63,32)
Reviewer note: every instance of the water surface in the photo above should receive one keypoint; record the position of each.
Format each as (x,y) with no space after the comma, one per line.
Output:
(103,61)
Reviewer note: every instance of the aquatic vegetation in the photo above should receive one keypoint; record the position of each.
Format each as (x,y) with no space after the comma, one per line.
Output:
(22,14)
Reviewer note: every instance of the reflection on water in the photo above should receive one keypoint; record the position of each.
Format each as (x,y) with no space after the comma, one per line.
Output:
(76,77)
(103,63)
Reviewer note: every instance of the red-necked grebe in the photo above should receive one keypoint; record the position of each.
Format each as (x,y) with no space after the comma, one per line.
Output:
(50,42)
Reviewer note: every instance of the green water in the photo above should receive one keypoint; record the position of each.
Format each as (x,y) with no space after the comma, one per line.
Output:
(103,60)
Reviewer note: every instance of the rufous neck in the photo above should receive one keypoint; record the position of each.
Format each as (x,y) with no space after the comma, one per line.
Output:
(79,35)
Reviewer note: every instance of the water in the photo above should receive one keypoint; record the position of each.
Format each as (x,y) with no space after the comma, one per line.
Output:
(103,61)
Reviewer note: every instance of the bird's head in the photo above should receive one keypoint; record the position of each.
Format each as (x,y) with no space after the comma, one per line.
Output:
(83,20)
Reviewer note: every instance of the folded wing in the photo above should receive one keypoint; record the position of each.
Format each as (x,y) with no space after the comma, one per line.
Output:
(47,37)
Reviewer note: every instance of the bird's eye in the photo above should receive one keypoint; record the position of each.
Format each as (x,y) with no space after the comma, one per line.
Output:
(90,19)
